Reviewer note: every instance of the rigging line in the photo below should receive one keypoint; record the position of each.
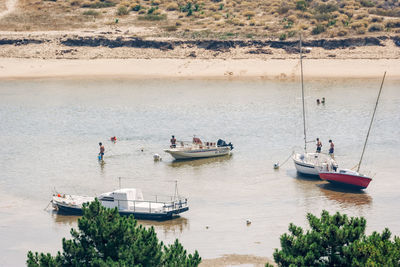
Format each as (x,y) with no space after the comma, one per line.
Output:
(372,119)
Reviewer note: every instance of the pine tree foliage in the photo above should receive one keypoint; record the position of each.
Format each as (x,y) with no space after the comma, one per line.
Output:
(105,238)
(337,240)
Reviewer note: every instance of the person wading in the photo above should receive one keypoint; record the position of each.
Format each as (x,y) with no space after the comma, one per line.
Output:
(101,153)
(332,148)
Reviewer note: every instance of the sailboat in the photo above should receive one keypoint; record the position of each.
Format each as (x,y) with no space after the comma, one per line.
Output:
(348,177)
(310,163)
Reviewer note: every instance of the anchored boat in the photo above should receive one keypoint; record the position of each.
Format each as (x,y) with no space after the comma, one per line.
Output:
(309,163)
(345,177)
(129,201)
(199,149)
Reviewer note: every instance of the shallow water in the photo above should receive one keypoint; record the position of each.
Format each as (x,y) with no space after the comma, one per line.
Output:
(50,129)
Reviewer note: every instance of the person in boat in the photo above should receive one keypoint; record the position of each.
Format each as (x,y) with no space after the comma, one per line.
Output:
(319,146)
(318,101)
(114,139)
(323,101)
(173,142)
(332,148)
(101,153)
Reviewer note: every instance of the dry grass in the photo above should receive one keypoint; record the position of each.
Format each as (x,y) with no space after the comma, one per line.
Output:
(212,18)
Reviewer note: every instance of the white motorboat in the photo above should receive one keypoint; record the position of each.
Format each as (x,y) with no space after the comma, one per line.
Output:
(198,149)
(129,201)
(310,163)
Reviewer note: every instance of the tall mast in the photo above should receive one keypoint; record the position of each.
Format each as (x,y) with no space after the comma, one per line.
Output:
(302,97)
(372,119)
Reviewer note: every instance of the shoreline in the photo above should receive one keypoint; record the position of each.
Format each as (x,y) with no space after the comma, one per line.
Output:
(269,69)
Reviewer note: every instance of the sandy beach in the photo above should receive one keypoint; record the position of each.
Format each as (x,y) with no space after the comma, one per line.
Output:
(282,69)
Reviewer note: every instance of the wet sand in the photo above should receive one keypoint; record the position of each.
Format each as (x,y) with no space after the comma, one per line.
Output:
(281,69)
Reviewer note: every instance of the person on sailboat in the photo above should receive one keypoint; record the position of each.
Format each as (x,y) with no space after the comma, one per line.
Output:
(323,101)
(332,148)
(173,142)
(101,153)
(319,146)
(318,101)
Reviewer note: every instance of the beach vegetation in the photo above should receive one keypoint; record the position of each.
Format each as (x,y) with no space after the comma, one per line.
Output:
(375,27)
(105,238)
(91,12)
(319,17)
(336,240)
(122,10)
(319,28)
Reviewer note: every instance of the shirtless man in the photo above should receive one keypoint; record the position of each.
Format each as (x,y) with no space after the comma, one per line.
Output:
(319,146)
(332,148)
(173,142)
(102,149)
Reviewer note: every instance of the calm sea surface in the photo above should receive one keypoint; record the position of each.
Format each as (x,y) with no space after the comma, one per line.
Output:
(50,129)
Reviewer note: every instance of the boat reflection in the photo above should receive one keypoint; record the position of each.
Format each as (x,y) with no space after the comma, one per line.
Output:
(176,225)
(70,220)
(345,196)
(199,162)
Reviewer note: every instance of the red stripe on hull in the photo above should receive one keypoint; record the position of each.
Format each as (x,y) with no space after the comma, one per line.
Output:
(361,182)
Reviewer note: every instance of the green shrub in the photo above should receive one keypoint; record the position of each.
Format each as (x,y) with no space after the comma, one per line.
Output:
(98,4)
(283,9)
(93,13)
(336,240)
(282,36)
(170,28)
(376,19)
(122,11)
(375,27)
(393,24)
(301,5)
(326,8)
(367,3)
(153,17)
(151,10)
(318,29)
(136,7)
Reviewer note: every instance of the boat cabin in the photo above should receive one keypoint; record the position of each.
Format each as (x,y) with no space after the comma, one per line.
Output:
(123,198)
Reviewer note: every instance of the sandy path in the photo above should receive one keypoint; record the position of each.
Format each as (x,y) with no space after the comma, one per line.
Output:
(10,7)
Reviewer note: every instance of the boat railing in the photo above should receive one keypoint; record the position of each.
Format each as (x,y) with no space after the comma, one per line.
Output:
(153,206)
(187,144)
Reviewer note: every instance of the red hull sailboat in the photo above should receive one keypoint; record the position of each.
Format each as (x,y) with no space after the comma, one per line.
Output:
(346,178)
(350,178)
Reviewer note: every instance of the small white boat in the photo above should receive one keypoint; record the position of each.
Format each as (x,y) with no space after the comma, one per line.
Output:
(313,163)
(199,149)
(129,201)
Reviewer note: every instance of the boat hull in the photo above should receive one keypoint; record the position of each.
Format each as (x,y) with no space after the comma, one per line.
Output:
(311,164)
(71,210)
(198,153)
(306,169)
(356,181)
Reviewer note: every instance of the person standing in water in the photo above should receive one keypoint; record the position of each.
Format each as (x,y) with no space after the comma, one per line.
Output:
(332,148)
(319,146)
(101,153)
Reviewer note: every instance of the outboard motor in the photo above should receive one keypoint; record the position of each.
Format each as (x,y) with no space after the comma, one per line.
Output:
(221,142)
